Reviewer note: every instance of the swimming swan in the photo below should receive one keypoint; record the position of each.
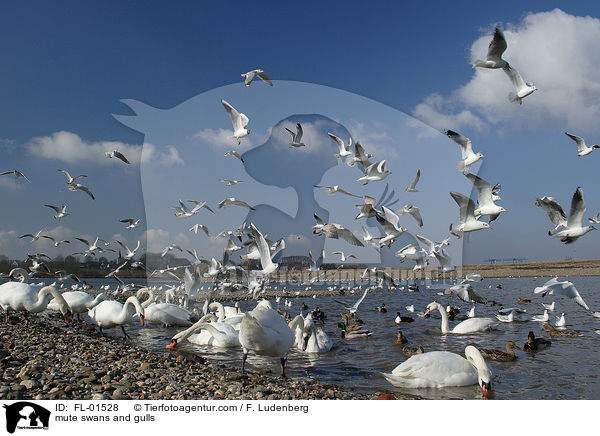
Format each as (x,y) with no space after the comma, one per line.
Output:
(167,314)
(470,325)
(438,369)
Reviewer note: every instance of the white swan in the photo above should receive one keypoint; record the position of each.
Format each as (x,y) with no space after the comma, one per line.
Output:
(208,332)
(79,301)
(265,332)
(111,313)
(318,341)
(167,314)
(470,325)
(438,369)
(191,335)
(25,298)
(227,314)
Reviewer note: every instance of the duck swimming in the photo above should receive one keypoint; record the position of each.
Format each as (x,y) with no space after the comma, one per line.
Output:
(400,319)
(568,333)
(351,334)
(534,344)
(501,356)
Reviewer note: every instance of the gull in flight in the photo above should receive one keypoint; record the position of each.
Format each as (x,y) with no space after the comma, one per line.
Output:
(379,275)
(315,265)
(375,172)
(239,121)
(343,257)
(16,173)
(582,148)
(485,198)
(444,259)
(465,292)
(234,154)
(466,214)
(343,149)
(71,180)
(55,242)
(414,211)
(132,223)
(595,219)
(233,201)
(171,248)
(33,237)
(412,251)
(389,223)
(555,213)
(268,267)
(297,136)
(432,247)
(574,228)
(202,227)
(566,288)
(92,248)
(354,307)
(367,210)
(129,253)
(231,182)
(61,212)
(468,157)
(333,189)
(522,89)
(360,156)
(183,211)
(413,185)
(76,186)
(335,231)
(494,55)
(117,154)
(250,75)
(117,270)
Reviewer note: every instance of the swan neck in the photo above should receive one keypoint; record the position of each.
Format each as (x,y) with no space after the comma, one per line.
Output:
(444,319)
(149,293)
(24,275)
(44,297)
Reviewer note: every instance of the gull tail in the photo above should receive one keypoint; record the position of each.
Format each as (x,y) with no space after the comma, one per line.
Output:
(460,166)
(513,97)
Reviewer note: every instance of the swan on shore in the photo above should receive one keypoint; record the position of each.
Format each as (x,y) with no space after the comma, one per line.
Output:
(79,301)
(111,313)
(167,314)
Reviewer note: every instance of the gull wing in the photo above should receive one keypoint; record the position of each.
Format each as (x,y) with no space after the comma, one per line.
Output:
(53,207)
(579,140)
(466,147)
(415,181)
(466,207)
(577,209)
(497,45)
(484,189)
(428,243)
(515,78)
(348,236)
(553,209)
(264,77)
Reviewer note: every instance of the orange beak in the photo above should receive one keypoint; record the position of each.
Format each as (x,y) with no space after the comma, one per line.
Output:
(172,344)
(142,319)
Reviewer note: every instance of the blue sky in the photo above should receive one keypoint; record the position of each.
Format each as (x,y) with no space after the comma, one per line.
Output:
(68,66)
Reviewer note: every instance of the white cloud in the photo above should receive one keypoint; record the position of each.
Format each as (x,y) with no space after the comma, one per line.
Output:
(158,239)
(554,50)
(8,181)
(223,139)
(71,148)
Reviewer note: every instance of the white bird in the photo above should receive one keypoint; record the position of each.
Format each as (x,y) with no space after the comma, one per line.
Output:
(560,321)
(335,231)
(167,314)
(574,229)
(71,180)
(117,154)
(129,253)
(471,325)
(496,48)
(61,212)
(202,227)
(375,172)
(468,156)
(522,88)
(473,277)
(239,121)
(79,301)
(296,136)
(413,252)
(18,174)
(550,307)
(360,156)
(111,313)
(318,341)
(390,224)
(595,219)
(566,288)
(344,258)
(471,313)
(414,211)
(465,292)
(554,211)
(268,267)
(265,332)
(343,148)
(354,307)
(413,185)
(466,213)
(231,182)
(233,201)
(315,265)
(484,196)
(250,75)
(333,189)
(367,209)
(582,148)
(183,211)
(438,369)
(76,186)
(541,318)
(444,259)
(33,237)
(234,154)
(170,248)
(132,224)
(410,308)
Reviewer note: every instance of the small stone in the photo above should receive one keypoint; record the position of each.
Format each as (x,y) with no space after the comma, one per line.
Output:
(30,384)
(117,394)
(145,366)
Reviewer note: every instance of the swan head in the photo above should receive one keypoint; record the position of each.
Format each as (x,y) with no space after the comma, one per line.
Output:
(432,306)
(483,371)
(173,344)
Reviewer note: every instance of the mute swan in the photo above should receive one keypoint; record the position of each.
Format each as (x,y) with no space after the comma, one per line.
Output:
(23,297)
(438,369)
(470,325)
(111,313)
(217,334)
(265,332)
(78,301)
(167,314)
(501,356)
(308,337)
(227,314)
(201,338)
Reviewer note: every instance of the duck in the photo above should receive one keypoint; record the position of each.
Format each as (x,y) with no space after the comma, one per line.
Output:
(523,300)
(21,296)
(167,314)
(401,341)
(357,333)
(400,319)
(265,332)
(534,344)
(79,302)
(471,325)
(501,356)
(382,308)
(111,313)
(438,369)
(568,333)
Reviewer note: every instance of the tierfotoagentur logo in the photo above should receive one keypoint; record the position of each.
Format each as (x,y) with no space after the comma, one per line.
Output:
(25,415)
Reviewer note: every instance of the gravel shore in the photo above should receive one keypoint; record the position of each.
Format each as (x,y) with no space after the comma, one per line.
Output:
(42,358)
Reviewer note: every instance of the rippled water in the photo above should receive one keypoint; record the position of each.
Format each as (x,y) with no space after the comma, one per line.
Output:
(566,370)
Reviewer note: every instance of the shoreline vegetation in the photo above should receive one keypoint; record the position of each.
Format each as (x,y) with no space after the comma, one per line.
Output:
(564,268)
